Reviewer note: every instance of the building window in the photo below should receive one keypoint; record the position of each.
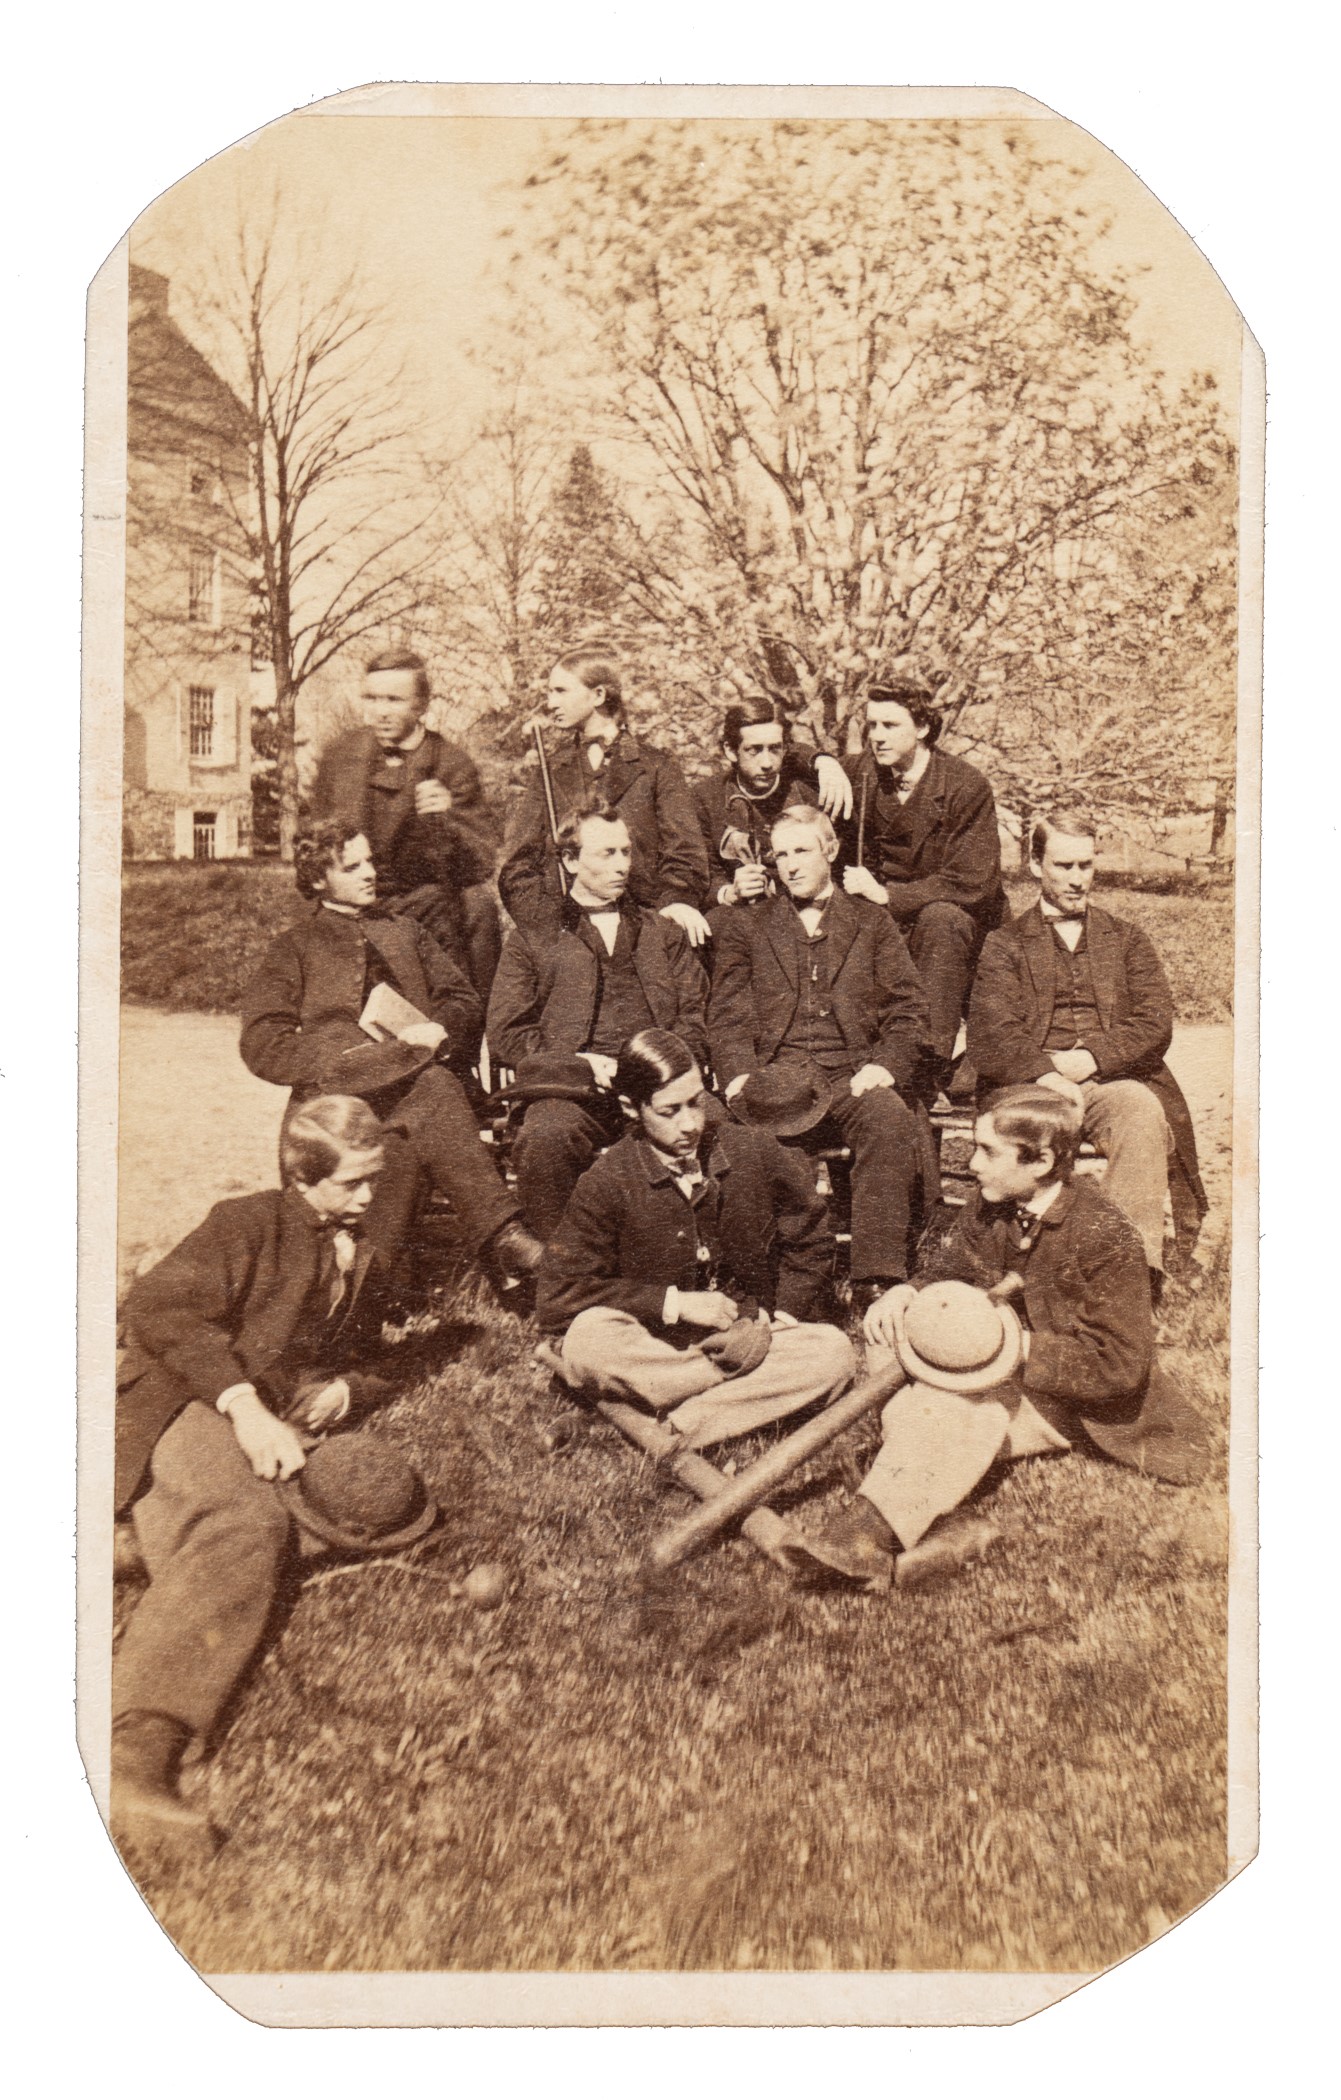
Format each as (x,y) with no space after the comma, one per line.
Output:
(202,602)
(260,642)
(203,825)
(200,703)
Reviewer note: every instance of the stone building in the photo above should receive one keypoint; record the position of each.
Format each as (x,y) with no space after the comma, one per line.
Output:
(188,674)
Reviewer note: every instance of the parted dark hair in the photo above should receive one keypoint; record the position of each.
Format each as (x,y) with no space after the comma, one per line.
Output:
(318,847)
(751,713)
(597,666)
(316,1137)
(650,1060)
(401,660)
(1069,818)
(569,835)
(1036,1120)
(914,694)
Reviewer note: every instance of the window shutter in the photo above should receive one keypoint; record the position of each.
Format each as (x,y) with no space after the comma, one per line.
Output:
(183,840)
(225,727)
(225,845)
(183,726)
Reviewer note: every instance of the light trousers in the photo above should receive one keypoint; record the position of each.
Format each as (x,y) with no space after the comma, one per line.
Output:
(615,1357)
(1125,1121)
(937,1446)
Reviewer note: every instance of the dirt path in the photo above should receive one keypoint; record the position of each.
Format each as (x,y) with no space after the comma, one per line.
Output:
(196,1126)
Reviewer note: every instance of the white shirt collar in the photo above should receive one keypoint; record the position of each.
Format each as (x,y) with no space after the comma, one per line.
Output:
(1041,1203)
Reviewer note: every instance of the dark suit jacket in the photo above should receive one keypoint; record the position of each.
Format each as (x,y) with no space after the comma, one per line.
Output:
(954,846)
(230,1305)
(1011,1011)
(544,995)
(1091,1363)
(628,1233)
(301,1008)
(878,999)
(454,850)
(648,789)
(720,805)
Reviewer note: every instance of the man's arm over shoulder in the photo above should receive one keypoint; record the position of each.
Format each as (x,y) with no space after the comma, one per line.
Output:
(1004,1037)
(691,988)
(682,856)
(732,1019)
(968,847)
(581,1265)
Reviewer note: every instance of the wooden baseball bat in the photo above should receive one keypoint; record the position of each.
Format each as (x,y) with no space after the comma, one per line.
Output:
(763,1527)
(750,1488)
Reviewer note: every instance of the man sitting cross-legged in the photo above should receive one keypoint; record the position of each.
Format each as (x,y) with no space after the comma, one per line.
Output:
(687,1262)
(1082,1373)
(1069,994)
(238,1347)
(300,1028)
(822,982)
(565,999)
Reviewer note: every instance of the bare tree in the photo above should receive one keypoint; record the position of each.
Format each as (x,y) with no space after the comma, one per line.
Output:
(335,510)
(885,378)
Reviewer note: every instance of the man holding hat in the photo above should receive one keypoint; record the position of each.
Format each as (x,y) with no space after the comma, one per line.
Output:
(688,1260)
(566,997)
(301,1028)
(1073,1368)
(239,1348)
(923,842)
(820,984)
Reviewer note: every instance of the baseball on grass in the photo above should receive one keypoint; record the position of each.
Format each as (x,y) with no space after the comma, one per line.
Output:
(486,1586)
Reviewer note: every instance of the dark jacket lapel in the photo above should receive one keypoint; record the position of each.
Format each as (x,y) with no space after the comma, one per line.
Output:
(1040,958)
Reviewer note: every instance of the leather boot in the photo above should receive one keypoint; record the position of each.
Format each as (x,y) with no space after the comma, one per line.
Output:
(514,1251)
(148,1813)
(858,1546)
(950,1544)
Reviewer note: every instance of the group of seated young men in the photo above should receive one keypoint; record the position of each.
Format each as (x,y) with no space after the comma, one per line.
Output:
(694,982)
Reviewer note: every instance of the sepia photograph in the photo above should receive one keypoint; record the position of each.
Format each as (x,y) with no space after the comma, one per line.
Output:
(668,1246)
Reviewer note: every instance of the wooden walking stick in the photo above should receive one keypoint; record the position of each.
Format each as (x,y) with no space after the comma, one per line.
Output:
(550,810)
(750,1488)
(861,818)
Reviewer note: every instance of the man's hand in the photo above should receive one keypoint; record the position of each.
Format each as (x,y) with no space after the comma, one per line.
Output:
(693,922)
(740,1348)
(1076,1065)
(431,798)
(835,789)
(274,1450)
(751,881)
(859,882)
(322,1406)
(883,1324)
(708,1309)
(603,1067)
(868,1078)
(736,844)
(425,1035)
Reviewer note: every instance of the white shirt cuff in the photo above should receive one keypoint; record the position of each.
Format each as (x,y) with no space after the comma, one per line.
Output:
(224,1403)
(670,1310)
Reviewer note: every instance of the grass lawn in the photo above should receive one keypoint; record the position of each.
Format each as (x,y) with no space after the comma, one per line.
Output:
(191,934)
(1021,1770)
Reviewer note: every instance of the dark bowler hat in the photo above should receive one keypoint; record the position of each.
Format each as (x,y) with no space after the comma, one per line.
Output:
(362,1494)
(783,1100)
(555,1077)
(365,1068)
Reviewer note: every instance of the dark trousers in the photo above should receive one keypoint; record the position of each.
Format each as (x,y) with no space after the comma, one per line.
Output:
(466,924)
(557,1143)
(883,1136)
(944,943)
(433,1115)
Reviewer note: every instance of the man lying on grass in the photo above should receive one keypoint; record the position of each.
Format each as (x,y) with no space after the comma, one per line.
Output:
(1076,1369)
(687,1260)
(238,1350)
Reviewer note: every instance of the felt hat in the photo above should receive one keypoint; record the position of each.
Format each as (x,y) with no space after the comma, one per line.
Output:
(362,1494)
(551,1078)
(959,1340)
(783,1100)
(365,1068)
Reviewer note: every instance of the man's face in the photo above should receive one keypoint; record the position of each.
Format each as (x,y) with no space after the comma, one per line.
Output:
(347,1190)
(391,705)
(999,1171)
(674,1117)
(1066,871)
(759,758)
(803,859)
(892,734)
(353,878)
(570,702)
(599,872)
